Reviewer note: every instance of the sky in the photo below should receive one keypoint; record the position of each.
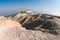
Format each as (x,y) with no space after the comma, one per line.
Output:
(43,6)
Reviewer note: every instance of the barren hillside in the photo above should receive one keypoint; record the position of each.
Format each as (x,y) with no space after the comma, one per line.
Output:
(29,26)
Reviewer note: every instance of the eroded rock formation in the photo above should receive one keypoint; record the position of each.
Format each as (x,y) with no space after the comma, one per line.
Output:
(42,22)
(12,30)
(28,26)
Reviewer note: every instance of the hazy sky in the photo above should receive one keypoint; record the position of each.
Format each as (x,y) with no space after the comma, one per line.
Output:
(47,6)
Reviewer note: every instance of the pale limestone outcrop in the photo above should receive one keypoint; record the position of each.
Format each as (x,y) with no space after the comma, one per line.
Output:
(12,30)
(28,26)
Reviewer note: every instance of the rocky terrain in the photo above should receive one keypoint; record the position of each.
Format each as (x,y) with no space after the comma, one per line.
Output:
(29,26)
